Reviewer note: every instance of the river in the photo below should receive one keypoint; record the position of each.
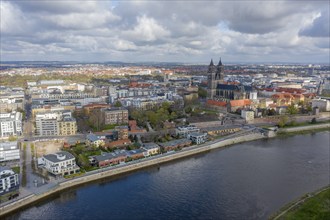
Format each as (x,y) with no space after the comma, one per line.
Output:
(245,181)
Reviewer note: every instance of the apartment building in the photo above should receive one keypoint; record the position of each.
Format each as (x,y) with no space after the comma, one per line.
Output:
(8,180)
(10,124)
(55,123)
(183,131)
(115,116)
(61,163)
(9,151)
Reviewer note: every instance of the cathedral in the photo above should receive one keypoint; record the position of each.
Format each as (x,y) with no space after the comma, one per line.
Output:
(220,90)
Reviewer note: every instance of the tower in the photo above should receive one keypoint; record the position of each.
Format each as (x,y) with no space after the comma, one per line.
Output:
(215,77)
(220,71)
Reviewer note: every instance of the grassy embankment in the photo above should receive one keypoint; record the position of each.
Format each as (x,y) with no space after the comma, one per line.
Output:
(315,206)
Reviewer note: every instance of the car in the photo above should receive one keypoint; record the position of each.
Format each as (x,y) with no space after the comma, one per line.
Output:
(26,140)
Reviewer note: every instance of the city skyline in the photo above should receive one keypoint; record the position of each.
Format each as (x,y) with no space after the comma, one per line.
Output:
(175,31)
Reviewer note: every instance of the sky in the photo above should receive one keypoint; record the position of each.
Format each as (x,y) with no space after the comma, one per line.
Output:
(165,31)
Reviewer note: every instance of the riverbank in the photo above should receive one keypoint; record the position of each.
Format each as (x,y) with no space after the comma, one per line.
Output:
(129,167)
(313,205)
(302,130)
(122,169)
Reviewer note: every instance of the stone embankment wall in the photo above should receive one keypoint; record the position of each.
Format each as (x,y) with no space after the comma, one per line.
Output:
(129,168)
(305,128)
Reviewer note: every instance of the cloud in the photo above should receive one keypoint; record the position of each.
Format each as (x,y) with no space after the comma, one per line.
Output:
(165,31)
(319,27)
(147,29)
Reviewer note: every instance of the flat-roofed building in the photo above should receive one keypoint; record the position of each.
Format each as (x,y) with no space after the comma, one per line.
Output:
(61,163)
(9,151)
(113,116)
(55,123)
(183,131)
(8,180)
(10,124)
(197,137)
(68,126)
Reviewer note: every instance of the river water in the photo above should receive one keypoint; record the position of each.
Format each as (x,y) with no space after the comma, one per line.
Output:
(245,181)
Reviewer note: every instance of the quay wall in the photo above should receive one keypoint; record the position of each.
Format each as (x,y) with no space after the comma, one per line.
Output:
(305,128)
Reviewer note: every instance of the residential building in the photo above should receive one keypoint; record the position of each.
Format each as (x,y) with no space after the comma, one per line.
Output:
(61,163)
(197,138)
(94,140)
(10,124)
(248,115)
(8,180)
(107,159)
(55,123)
(175,144)
(137,153)
(183,131)
(90,107)
(9,151)
(46,124)
(68,126)
(113,116)
(322,103)
(151,148)
(122,132)
(222,130)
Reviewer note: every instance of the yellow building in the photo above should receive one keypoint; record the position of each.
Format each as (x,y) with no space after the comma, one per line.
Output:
(67,127)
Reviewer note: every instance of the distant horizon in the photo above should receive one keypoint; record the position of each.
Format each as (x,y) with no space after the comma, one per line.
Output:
(164,62)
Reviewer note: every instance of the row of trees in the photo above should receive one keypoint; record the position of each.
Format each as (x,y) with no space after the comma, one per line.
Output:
(156,116)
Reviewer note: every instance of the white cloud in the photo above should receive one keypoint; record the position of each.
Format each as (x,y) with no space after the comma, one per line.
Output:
(147,29)
(165,31)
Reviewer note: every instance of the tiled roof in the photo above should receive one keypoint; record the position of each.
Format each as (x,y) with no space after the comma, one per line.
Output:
(240,102)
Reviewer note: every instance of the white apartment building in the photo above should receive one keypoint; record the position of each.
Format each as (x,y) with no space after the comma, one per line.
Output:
(61,163)
(197,138)
(10,124)
(8,180)
(184,131)
(46,123)
(9,151)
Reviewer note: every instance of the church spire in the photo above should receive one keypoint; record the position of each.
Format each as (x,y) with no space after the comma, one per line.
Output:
(211,64)
(220,63)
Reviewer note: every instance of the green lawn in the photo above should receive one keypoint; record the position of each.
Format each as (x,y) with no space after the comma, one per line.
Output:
(317,207)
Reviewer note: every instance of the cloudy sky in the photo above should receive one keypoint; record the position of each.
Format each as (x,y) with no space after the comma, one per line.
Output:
(182,31)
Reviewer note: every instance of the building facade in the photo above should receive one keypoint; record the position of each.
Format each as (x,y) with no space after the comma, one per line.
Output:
(61,163)
(113,116)
(197,138)
(183,131)
(9,151)
(8,180)
(10,124)
(55,123)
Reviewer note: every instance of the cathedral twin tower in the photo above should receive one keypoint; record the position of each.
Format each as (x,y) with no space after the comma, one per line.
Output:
(215,77)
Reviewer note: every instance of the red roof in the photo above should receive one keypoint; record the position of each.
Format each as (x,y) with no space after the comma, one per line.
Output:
(216,103)
(240,102)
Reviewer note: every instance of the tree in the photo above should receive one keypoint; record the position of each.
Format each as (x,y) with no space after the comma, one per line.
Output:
(202,93)
(283,120)
(118,104)
(292,109)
